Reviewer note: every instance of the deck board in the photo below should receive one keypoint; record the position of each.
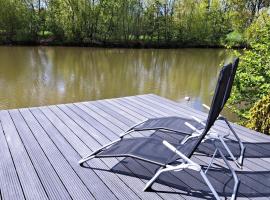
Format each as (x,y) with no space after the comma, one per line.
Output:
(40,148)
(31,184)
(47,174)
(72,148)
(10,183)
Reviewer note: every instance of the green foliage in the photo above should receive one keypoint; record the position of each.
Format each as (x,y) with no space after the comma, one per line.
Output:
(181,22)
(13,17)
(234,38)
(259,116)
(252,81)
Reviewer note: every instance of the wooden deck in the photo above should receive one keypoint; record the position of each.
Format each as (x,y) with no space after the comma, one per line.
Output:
(40,148)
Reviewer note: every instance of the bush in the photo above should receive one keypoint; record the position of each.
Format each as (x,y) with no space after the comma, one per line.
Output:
(45,34)
(252,80)
(234,38)
(259,118)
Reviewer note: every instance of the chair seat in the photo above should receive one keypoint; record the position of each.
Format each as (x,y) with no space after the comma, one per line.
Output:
(169,123)
(149,149)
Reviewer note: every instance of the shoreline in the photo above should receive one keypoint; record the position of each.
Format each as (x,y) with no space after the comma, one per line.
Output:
(131,45)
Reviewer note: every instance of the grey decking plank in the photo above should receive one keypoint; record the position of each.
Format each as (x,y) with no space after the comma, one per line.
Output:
(48,177)
(65,171)
(152,109)
(9,182)
(116,183)
(76,188)
(187,179)
(109,124)
(136,184)
(70,157)
(256,151)
(145,114)
(29,179)
(102,113)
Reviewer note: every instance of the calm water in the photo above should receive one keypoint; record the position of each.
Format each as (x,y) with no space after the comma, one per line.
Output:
(35,76)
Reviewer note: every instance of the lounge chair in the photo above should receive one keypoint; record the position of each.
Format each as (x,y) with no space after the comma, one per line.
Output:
(193,126)
(164,154)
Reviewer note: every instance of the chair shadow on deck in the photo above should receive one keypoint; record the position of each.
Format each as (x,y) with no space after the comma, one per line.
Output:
(189,183)
(253,150)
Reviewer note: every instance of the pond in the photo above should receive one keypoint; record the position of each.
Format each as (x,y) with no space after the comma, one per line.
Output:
(36,76)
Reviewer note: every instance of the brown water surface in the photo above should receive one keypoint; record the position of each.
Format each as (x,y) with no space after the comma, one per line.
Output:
(36,76)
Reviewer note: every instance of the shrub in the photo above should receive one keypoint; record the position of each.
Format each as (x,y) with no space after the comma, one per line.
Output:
(234,38)
(250,97)
(259,118)
(252,80)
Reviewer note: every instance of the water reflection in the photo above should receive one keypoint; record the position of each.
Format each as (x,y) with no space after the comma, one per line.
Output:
(34,76)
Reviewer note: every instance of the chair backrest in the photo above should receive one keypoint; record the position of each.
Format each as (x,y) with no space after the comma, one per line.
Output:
(219,96)
(230,84)
(217,103)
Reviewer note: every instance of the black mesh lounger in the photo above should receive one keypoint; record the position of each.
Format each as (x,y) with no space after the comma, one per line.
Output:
(195,126)
(164,154)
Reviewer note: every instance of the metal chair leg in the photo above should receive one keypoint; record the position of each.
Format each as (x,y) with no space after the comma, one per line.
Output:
(236,180)
(229,152)
(152,180)
(241,145)
(209,185)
